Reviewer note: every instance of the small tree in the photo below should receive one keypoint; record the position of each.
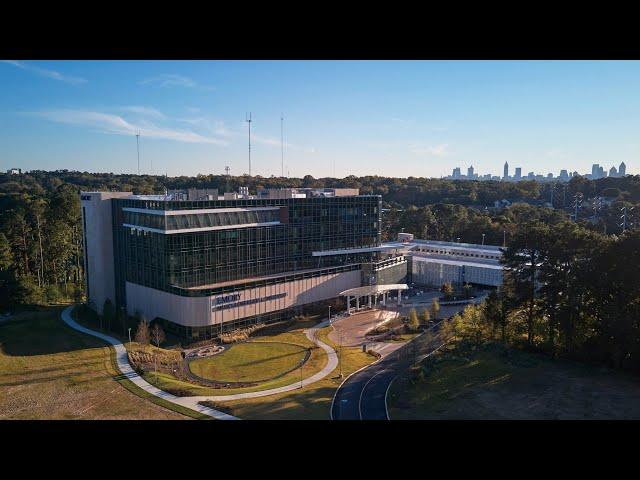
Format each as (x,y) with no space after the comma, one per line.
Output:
(414,323)
(447,290)
(142,333)
(435,309)
(157,335)
(467,290)
(426,317)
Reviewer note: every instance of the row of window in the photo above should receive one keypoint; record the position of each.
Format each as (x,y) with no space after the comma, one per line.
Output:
(458,253)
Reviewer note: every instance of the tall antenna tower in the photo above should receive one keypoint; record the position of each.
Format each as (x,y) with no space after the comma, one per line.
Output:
(227,170)
(248,120)
(138,148)
(281,145)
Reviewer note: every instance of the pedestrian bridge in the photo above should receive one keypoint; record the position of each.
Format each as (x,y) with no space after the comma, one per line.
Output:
(373,294)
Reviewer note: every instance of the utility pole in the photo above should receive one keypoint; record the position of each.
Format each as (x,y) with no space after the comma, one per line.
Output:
(138,147)
(248,120)
(483,239)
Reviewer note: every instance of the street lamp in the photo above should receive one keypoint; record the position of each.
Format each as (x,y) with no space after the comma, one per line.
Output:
(129,337)
(329,314)
(483,239)
(340,354)
(301,374)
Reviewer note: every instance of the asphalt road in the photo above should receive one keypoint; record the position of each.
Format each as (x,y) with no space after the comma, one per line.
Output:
(362,395)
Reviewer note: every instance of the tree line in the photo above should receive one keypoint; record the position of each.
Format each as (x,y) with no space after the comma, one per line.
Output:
(568,291)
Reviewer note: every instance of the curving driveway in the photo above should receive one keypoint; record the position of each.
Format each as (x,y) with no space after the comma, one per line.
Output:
(193,402)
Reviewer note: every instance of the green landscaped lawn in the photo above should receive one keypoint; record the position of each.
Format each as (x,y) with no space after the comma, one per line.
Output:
(487,384)
(49,371)
(250,362)
(312,402)
(314,364)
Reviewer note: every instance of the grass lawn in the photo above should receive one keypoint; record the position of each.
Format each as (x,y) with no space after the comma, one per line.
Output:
(49,371)
(314,364)
(487,384)
(250,362)
(312,402)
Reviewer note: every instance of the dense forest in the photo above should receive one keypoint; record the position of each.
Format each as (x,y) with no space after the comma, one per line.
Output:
(584,303)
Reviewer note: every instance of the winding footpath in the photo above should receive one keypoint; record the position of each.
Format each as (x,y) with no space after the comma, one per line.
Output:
(193,402)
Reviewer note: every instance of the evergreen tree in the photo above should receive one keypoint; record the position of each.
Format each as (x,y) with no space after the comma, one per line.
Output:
(435,309)
(414,323)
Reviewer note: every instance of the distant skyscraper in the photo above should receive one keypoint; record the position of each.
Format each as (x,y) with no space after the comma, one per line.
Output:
(613,172)
(470,172)
(564,175)
(622,171)
(601,172)
(456,173)
(506,170)
(595,171)
(518,174)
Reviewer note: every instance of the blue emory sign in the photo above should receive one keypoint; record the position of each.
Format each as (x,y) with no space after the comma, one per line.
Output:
(231,301)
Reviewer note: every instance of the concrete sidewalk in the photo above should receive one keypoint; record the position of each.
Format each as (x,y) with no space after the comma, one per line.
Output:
(125,368)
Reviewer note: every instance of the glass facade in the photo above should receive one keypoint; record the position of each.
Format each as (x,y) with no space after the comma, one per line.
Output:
(211,219)
(147,254)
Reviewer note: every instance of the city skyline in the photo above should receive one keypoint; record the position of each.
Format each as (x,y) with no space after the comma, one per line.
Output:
(391,118)
(597,171)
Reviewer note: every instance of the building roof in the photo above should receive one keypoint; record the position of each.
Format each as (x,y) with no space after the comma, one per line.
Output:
(373,289)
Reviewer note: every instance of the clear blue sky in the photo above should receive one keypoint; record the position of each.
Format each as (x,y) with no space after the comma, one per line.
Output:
(418,118)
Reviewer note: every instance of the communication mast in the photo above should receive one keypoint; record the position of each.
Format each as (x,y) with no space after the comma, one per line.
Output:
(248,120)
(281,145)
(227,170)
(138,148)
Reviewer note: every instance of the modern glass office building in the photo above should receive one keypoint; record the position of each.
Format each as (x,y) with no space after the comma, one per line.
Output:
(206,266)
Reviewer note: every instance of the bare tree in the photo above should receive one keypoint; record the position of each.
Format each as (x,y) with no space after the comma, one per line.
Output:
(142,333)
(157,335)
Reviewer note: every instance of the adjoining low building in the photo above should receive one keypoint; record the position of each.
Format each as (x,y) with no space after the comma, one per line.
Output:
(206,266)
(433,263)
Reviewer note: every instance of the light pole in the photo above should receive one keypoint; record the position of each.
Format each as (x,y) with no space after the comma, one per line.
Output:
(301,375)
(483,239)
(329,314)
(129,337)
(340,354)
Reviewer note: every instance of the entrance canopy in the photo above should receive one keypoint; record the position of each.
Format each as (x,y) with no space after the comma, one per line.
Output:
(373,289)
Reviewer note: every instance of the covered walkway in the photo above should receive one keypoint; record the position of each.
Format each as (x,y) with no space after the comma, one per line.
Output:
(372,295)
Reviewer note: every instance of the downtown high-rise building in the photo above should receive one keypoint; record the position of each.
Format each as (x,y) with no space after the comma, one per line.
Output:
(506,170)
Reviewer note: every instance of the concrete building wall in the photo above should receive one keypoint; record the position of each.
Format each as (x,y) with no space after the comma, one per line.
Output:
(98,246)
(198,311)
